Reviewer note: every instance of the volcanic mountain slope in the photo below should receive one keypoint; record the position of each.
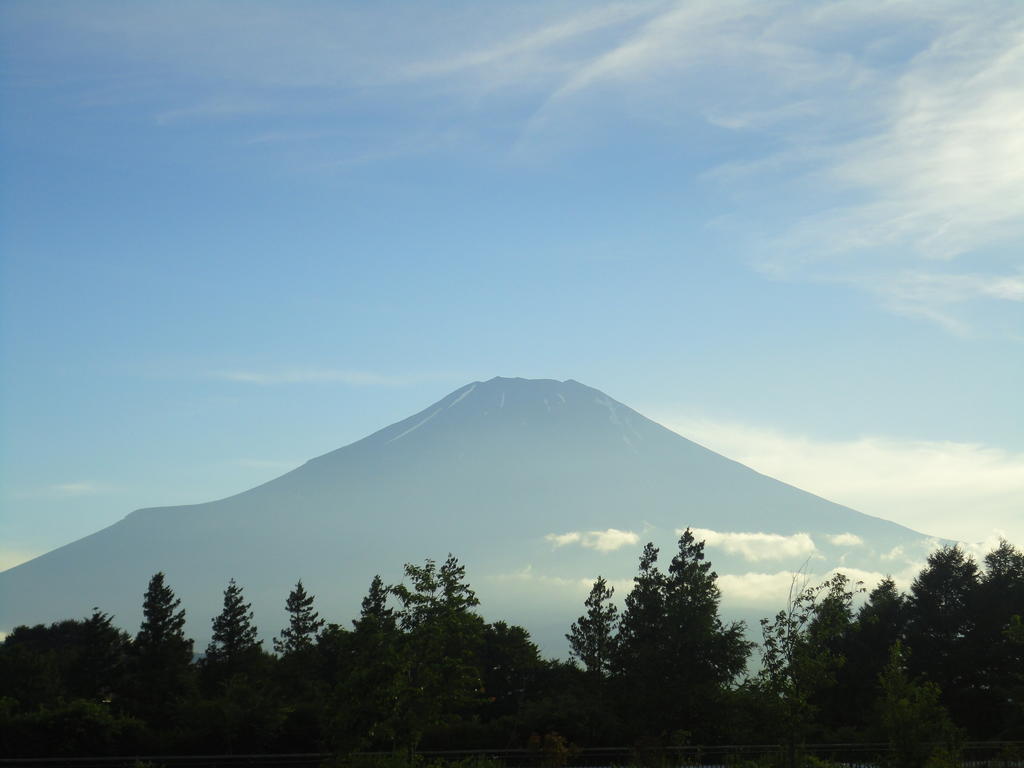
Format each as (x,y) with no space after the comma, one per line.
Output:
(536,485)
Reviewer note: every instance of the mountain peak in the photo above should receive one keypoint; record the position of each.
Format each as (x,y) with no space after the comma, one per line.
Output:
(509,473)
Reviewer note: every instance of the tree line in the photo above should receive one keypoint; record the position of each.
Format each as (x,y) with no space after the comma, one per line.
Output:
(419,668)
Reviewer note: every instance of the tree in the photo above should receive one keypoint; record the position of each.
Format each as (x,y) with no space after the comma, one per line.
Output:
(442,635)
(912,716)
(366,664)
(996,647)
(639,649)
(702,654)
(161,638)
(162,655)
(234,642)
(800,653)
(674,656)
(374,610)
(942,622)
(592,636)
(880,623)
(303,623)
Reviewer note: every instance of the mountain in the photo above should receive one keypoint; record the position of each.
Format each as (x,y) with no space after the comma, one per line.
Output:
(536,485)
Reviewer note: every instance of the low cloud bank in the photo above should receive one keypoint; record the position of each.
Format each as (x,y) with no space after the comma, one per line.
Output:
(603,541)
(755,547)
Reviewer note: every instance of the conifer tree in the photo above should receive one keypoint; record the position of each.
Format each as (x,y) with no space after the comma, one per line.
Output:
(162,655)
(161,638)
(592,636)
(374,607)
(304,624)
(234,635)
(942,626)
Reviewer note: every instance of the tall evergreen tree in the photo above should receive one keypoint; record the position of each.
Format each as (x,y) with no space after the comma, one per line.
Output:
(234,635)
(161,638)
(592,636)
(161,653)
(702,655)
(303,623)
(639,648)
(368,669)
(374,607)
(998,653)
(880,624)
(942,620)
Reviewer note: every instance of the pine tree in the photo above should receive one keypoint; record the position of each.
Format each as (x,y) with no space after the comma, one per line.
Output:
(941,632)
(162,654)
(592,637)
(161,638)
(374,607)
(639,649)
(234,635)
(701,654)
(304,624)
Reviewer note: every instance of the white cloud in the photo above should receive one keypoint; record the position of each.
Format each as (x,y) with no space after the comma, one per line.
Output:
(529,52)
(906,149)
(954,490)
(563,539)
(577,586)
(754,547)
(320,375)
(846,540)
(759,589)
(603,541)
(933,295)
(772,590)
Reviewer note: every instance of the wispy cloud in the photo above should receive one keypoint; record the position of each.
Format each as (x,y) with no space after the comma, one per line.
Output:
(940,488)
(530,52)
(218,109)
(527,576)
(755,547)
(603,541)
(907,150)
(934,295)
(325,375)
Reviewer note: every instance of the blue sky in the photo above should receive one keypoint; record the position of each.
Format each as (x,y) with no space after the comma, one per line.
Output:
(236,236)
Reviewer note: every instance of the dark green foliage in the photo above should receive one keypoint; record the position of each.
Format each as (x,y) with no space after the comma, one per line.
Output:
(421,669)
(71,659)
(943,617)
(592,636)
(442,635)
(912,717)
(161,656)
(161,637)
(801,655)
(671,621)
(509,667)
(303,623)
(365,669)
(879,624)
(234,634)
